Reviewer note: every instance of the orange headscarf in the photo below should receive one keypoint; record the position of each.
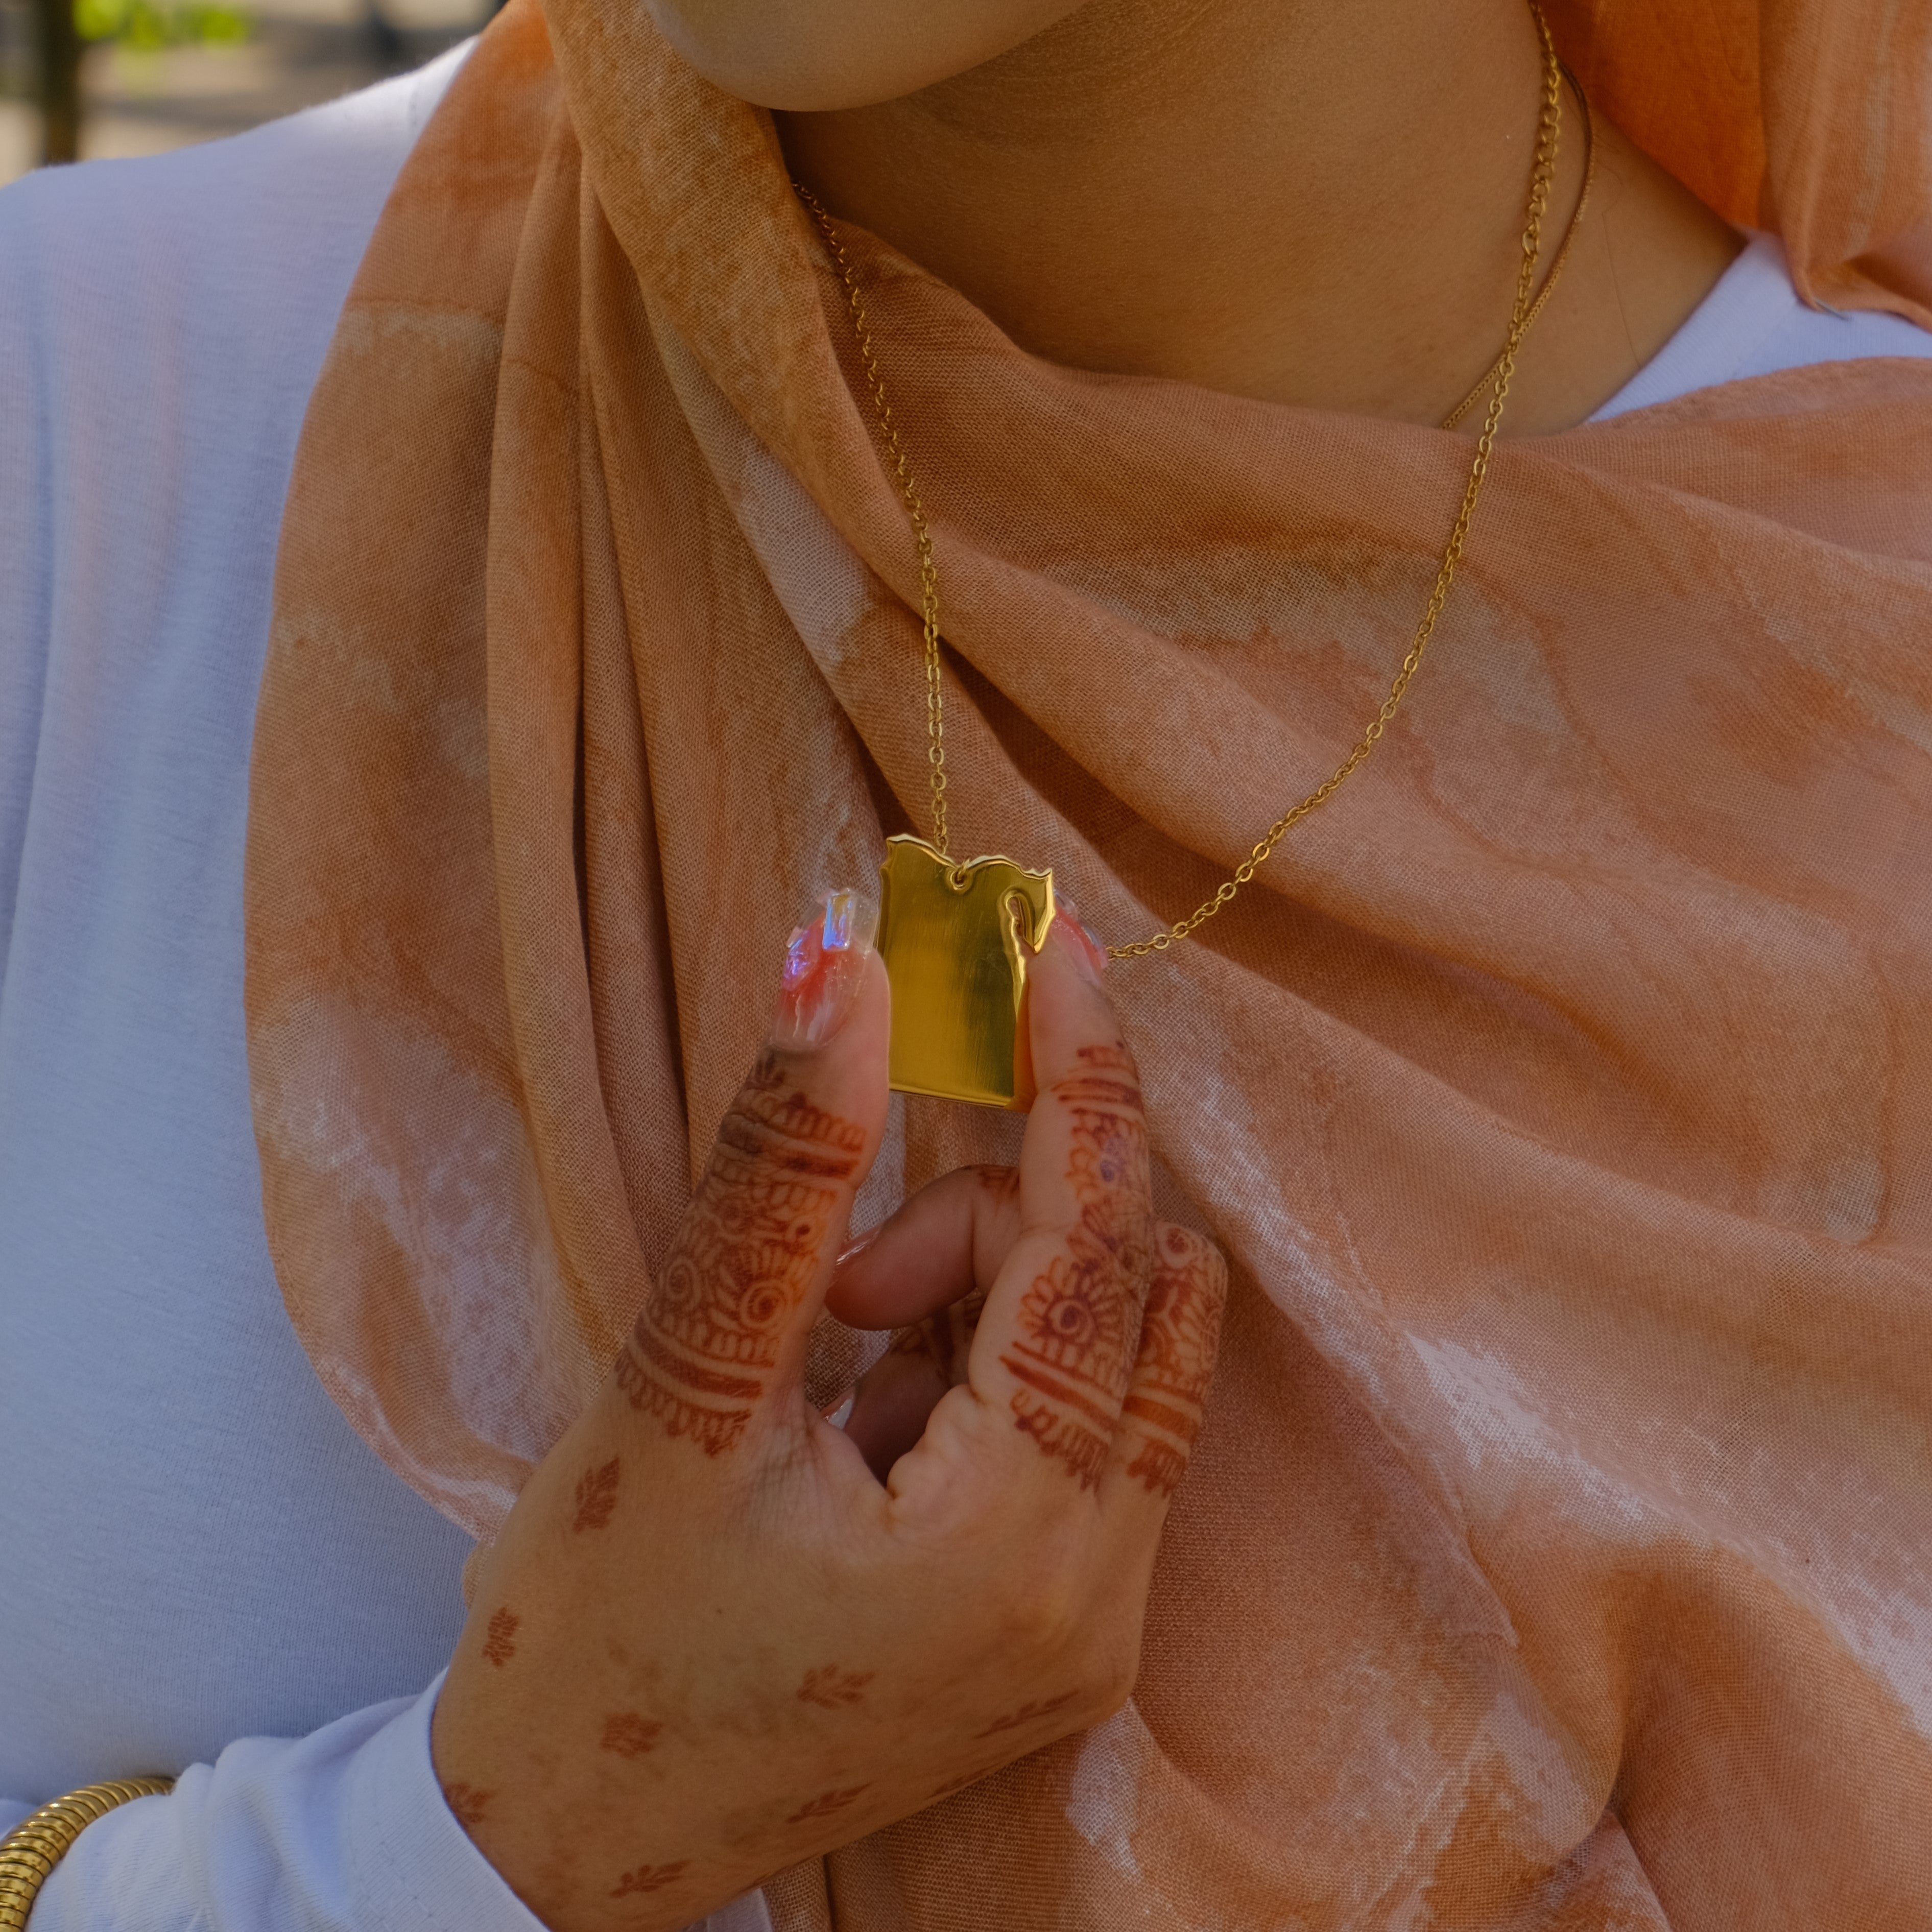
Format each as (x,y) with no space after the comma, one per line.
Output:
(1558,1549)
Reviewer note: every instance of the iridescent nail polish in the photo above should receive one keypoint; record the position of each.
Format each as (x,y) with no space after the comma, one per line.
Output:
(824,962)
(1086,941)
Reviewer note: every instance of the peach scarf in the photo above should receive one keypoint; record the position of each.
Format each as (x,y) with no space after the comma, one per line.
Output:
(1558,1551)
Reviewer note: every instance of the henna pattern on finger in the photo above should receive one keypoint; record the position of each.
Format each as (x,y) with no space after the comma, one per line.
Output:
(1027,1713)
(596,1496)
(700,1355)
(917,1341)
(834,1689)
(649,1878)
(1078,1322)
(499,1643)
(1003,1183)
(466,1804)
(629,1733)
(1083,1451)
(1178,1342)
(944,1338)
(826,1803)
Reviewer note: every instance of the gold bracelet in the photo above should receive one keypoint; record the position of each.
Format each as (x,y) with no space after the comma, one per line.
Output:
(30,1850)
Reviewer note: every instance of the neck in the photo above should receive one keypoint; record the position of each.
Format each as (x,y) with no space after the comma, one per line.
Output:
(1314,202)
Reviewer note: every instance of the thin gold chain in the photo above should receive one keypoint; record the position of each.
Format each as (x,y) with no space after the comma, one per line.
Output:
(1542,176)
(928,573)
(1562,255)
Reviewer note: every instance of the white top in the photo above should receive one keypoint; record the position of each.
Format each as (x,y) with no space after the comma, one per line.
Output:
(197,1548)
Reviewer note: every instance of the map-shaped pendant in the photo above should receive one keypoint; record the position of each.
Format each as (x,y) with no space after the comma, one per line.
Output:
(956,941)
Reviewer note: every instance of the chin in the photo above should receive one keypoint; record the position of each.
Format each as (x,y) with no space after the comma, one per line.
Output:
(815,56)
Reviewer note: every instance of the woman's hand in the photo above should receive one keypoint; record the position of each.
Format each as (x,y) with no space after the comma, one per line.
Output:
(710,1641)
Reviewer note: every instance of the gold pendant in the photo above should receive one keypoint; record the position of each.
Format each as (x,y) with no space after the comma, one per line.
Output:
(956,940)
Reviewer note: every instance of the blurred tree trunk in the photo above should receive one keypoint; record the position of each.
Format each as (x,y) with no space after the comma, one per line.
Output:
(57,44)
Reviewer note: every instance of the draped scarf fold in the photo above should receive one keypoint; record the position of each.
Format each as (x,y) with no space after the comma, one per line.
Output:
(1557,1553)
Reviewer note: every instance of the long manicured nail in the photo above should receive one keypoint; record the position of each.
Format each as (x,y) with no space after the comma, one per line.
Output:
(825,960)
(1086,941)
(858,1245)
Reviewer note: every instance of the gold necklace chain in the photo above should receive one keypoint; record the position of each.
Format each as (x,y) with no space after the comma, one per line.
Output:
(928,573)
(1562,255)
(1542,176)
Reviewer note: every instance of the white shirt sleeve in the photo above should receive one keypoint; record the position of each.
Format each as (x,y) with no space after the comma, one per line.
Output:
(342,1831)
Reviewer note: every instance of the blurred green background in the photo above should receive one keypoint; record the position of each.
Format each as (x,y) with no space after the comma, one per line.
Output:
(94,78)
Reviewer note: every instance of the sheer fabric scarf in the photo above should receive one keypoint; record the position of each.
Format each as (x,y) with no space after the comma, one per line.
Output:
(1559,1551)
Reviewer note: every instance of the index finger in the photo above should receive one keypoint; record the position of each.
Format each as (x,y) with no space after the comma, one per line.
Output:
(1058,1340)
(722,1336)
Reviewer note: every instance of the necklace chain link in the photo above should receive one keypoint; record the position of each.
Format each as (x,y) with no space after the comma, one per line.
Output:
(1528,305)
(902,470)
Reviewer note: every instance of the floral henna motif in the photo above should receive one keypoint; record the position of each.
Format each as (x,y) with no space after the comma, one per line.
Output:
(629,1734)
(1027,1714)
(649,1878)
(826,1803)
(466,1804)
(1079,1322)
(596,1496)
(700,1355)
(499,1638)
(1178,1341)
(834,1689)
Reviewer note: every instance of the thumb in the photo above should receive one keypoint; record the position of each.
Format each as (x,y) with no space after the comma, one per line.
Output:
(722,1337)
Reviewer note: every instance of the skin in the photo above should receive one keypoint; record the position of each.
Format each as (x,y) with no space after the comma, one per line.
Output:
(1314,202)
(718,1634)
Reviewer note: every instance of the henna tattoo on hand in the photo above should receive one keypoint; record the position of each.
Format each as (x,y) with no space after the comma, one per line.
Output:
(834,1689)
(629,1733)
(499,1638)
(1158,1468)
(649,1878)
(466,1804)
(1079,1321)
(826,1803)
(1179,1339)
(944,1340)
(1083,1451)
(703,1349)
(1027,1714)
(1003,1183)
(596,1496)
